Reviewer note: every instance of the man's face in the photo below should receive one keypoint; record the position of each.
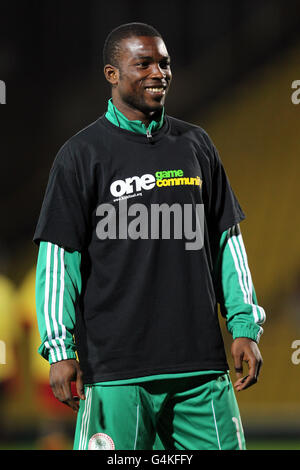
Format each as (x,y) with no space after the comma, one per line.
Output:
(144,73)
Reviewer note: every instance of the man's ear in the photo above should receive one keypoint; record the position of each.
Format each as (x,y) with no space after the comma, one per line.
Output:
(112,74)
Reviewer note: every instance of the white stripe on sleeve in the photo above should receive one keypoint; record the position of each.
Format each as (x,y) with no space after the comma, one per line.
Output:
(50,341)
(61,304)
(238,252)
(53,304)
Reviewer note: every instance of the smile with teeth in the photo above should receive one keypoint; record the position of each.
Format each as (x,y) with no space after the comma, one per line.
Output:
(156,89)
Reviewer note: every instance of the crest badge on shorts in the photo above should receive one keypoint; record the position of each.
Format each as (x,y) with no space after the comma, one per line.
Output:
(101,441)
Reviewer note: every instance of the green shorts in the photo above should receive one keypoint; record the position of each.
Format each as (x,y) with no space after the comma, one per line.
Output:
(194,413)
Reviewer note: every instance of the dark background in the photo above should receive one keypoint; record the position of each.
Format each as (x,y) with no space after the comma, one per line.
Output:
(51,61)
(221,51)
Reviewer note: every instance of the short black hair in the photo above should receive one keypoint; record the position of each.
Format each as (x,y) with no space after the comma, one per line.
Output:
(111,49)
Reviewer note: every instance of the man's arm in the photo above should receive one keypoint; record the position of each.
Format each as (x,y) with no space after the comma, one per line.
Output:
(238,302)
(58,284)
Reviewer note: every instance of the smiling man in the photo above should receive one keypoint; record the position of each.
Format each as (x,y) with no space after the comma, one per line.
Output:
(133,320)
(140,77)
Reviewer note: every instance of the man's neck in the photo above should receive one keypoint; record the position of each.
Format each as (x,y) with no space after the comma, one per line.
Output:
(134,114)
(119,119)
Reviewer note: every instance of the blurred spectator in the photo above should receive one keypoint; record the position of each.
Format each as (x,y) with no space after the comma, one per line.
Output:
(54,417)
(9,340)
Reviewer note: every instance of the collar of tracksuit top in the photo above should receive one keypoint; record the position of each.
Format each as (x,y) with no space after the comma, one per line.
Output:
(118,119)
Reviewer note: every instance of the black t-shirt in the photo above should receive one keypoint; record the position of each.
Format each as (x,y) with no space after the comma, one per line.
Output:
(148,304)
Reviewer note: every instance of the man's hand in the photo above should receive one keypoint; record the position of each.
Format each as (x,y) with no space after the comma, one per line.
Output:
(61,375)
(246,350)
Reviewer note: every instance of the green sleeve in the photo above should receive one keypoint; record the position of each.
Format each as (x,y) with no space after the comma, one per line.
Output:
(236,293)
(58,285)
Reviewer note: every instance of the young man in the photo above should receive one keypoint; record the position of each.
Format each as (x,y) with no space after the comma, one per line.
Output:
(137,304)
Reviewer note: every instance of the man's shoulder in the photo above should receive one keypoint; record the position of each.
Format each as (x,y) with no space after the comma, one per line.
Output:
(180,127)
(81,145)
(88,135)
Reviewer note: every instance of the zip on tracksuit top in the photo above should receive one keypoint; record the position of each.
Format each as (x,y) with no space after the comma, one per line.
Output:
(59,288)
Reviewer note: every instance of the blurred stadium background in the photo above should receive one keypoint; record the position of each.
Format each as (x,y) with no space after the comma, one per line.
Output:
(233,64)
